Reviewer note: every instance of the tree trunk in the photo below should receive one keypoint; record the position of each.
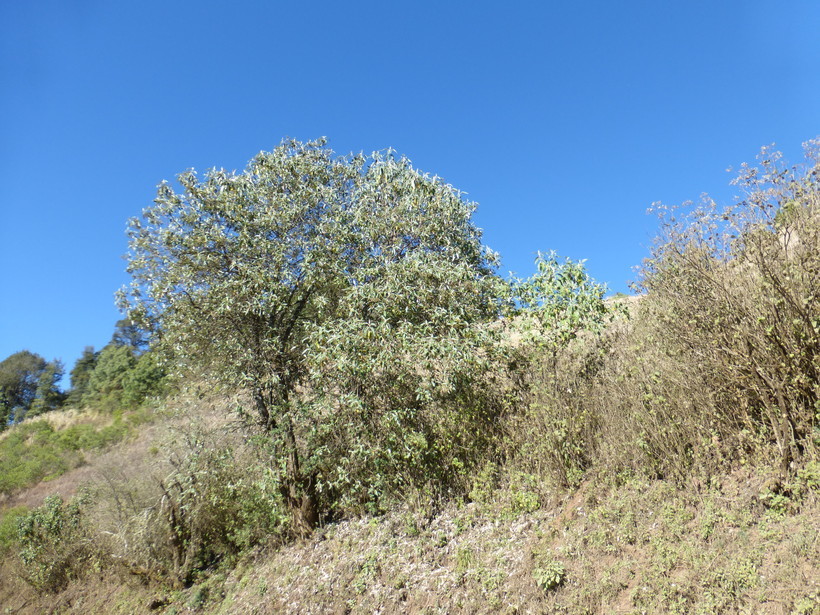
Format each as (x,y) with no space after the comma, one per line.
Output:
(299,490)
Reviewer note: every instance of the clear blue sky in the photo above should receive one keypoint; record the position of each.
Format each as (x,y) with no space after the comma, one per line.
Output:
(563,120)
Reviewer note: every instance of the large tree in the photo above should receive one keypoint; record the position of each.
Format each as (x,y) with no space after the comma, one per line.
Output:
(48,395)
(81,374)
(128,333)
(28,385)
(343,294)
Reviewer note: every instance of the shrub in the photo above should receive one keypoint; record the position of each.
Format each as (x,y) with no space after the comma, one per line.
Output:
(736,289)
(56,543)
(550,576)
(8,527)
(212,509)
(215,500)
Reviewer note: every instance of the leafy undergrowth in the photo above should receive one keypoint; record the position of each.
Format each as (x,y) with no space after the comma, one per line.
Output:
(741,543)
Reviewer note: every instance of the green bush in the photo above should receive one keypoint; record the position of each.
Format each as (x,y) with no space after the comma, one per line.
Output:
(88,437)
(56,543)
(29,453)
(8,527)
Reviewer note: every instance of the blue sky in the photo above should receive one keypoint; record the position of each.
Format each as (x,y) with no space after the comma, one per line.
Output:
(563,120)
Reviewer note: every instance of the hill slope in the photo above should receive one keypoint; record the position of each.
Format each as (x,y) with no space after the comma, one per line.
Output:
(623,544)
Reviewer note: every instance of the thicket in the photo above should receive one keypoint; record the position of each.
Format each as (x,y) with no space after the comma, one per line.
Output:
(738,291)
(719,363)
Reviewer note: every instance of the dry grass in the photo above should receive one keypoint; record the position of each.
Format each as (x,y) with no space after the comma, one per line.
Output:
(640,547)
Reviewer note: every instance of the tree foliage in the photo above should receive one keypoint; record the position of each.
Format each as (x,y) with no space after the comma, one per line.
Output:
(559,318)
(106,383)
(48,395)
(81,374)
(343,293)
(560,301)
(122,379)
(123,374)
(28,383)
(130,334)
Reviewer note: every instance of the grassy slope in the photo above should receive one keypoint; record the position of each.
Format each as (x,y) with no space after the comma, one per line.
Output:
(719,546)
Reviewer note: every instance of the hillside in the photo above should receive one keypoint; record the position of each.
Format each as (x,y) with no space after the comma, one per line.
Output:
(326,401)
(721,544)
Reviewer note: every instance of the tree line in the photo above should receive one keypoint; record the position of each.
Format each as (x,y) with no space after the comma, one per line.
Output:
(122,374)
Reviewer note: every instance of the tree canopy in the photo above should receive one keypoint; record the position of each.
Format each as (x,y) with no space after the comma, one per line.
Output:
(81,374)
(343,293)
(28,386)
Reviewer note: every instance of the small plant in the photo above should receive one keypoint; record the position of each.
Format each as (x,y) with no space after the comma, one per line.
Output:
(525,502)
(807,606)
(465,559)
(262,587)
(199,598)
(778,503)
(808,479)
(411,526)
(401,581)
(485,483)
(550,576)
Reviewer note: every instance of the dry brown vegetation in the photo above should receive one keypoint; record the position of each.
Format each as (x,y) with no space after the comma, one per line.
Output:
(644,546)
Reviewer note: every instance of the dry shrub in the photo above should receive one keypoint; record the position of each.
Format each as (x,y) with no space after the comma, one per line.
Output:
(721,358)
(555,433)
(653,410)
(736,291)
(209,496)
